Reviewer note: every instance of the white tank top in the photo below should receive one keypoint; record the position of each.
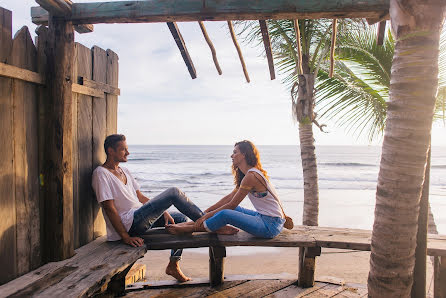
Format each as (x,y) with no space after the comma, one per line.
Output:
(266,205)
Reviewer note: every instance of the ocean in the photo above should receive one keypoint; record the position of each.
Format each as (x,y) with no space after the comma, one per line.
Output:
(347,178)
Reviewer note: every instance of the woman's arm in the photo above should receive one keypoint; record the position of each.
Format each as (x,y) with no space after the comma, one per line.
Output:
(238,195)
(221,202)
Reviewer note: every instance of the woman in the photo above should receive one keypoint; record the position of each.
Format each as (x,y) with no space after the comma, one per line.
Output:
(250,179)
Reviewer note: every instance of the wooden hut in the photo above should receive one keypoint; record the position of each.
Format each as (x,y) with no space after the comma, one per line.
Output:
(59,101)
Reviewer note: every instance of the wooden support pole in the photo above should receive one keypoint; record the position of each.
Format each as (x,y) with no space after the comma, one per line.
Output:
(217,256)
(298,46)
(239,51)
(333,47)
(217,10)
(419,274)
(211,46)
(182,46)
(381,33)
(267,44)
(440,277)
(116,286)
(58,172)
(307,265)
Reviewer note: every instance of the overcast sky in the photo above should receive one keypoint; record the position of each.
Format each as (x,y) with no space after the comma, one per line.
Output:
(161,104)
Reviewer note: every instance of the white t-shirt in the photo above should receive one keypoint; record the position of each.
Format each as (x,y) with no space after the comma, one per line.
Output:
(108,187)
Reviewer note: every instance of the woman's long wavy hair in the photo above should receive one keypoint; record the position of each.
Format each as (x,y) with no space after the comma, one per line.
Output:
(252,158)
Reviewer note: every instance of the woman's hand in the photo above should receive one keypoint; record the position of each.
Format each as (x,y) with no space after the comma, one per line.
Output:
(200,221)
(168,218)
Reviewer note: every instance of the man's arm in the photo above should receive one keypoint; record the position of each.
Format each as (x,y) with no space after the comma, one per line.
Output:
(142,198)
(115,219)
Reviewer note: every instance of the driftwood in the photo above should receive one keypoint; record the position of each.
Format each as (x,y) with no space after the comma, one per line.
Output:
(239,51)
(333,47)
(298,46)
(182,47)
(267,44)
(211,46)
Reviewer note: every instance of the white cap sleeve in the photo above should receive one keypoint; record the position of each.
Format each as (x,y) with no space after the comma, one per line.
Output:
(101,186)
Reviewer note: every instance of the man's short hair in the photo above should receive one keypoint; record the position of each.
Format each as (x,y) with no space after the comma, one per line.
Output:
(112,141)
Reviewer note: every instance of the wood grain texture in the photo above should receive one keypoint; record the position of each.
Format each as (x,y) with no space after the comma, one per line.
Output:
(239,51)
(25,155)
(84,274)
(14,72)
(175,31)
(85,148)
(211,46)
(215,10)
(7,196)
(99,86)
(112,100)
(99,132)
(267,45)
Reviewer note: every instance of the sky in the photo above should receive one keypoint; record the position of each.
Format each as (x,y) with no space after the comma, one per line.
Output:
(161,104)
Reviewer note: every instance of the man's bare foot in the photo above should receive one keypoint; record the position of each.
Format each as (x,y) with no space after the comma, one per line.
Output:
(179,229)
(227,230)
(173,269)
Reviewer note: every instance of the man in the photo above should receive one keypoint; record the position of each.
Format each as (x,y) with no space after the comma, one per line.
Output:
(128,212)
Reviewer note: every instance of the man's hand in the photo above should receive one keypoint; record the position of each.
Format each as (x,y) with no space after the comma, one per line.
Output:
(168,218)
(133,241)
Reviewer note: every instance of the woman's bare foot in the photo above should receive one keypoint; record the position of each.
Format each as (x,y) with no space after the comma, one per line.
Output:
(178,229)
(173,269)
(227,230)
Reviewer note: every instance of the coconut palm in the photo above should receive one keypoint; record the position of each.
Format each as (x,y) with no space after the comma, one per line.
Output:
(413,88)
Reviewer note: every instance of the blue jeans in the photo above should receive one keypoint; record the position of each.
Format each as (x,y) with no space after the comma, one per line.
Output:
(254,223)
(150,214)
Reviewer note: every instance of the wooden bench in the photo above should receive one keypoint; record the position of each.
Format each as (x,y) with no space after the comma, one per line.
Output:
(309,239)
(97,267)
(101,266)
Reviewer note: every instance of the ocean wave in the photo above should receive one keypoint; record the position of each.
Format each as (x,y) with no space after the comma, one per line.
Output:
(347,164)
(142,159)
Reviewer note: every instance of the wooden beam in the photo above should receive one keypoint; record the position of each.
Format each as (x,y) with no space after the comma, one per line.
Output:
(14,72)
(267,44)
(211,46)
(298,46)
(58,170)
(182,46)
(239,51)
(217,10)
(333,47)
(85,90)
(56,7)
(381,33)
(41,18)
(105,88)
(217,256)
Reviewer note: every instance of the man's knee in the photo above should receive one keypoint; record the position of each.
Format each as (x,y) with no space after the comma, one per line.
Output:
(174,191)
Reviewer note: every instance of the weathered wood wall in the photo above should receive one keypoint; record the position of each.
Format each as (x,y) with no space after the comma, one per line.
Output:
(22,133)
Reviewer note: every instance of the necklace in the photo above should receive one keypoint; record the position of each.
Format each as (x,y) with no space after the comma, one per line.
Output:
(118,170)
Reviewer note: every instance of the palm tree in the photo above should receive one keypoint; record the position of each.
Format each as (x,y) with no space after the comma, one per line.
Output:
(413,88)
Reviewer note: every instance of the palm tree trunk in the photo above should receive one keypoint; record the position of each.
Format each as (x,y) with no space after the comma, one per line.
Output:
(413,87)
(309,167)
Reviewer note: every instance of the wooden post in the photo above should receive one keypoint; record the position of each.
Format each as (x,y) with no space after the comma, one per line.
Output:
(217,256)
(440,277)
(116,286)
(58,175)
(307,265)
(419,274)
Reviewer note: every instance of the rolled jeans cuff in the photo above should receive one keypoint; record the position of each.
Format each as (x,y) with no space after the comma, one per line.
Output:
(206,227)
(175,258)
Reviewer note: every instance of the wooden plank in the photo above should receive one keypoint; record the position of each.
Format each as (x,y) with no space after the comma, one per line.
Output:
(99,132)
(183,49)
(41,18)
(215,10)
(239,51)
(211,46)
(440,277)
(267,45)
(159,241)
(88,91)
(7,197)
(99,86)
(94,265)
(287,238)
(85,148)
(25,156)
(295,291)
(56,7)
(42,109)
(112,100)
(10,71)
(254,288)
